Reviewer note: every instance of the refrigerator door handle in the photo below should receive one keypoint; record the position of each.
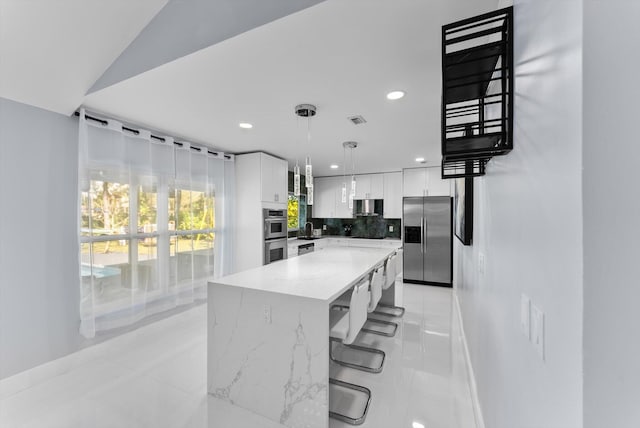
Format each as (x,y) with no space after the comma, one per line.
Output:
(422,235)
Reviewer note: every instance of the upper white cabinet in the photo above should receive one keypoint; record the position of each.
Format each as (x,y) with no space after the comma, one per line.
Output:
(392,194)
(369,186)
(436,185)
(424,182)
(324,198)
(273,178)
(327,198)
(414,182)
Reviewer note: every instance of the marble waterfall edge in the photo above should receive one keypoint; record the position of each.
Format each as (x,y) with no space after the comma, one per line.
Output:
(275,365)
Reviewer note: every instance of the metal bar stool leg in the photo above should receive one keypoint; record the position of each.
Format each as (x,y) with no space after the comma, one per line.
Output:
(362,367)
(381,322)
(344,418)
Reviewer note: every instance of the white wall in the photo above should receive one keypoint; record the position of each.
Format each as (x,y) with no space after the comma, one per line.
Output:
(611,214)
(528,224)
(39,285)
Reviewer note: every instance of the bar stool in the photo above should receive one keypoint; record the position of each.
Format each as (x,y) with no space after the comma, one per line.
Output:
(377,279)
(389,280)
(344,327)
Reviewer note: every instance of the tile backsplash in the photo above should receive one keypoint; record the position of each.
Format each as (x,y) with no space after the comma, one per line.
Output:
(359,227)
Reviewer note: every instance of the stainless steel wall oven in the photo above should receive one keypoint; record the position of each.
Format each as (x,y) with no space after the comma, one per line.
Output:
(275,235)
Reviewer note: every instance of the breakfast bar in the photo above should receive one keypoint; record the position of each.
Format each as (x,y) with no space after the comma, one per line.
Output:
(268,333)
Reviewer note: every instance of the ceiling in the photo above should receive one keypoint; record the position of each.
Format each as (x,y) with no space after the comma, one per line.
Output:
(342,56)
(52,51)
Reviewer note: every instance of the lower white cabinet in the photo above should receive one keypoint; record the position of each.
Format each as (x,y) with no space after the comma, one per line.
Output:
(337,241)
(292,250)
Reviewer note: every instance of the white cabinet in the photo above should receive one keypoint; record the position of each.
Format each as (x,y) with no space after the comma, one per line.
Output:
(273,179)
(424,182)
(292,251)
(358,242)
(414,182)
(369,186)
(328,199)
(261,182)
(342,208)
(320,244)
(392,195)
(324,205)
(436,186)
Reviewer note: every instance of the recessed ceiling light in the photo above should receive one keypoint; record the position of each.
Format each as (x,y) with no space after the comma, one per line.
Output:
(334,166)
(395,95)
(420,160)
(245,125)
(417,425)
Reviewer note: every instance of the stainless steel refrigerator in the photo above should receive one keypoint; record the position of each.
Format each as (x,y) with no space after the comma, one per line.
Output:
(428,240)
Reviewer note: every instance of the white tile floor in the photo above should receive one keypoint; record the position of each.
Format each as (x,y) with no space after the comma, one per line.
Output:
(156,377)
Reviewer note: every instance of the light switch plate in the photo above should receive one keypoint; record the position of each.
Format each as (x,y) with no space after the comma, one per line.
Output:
(537,330)
(266,314)
(324,227)
(390,228)
(481,263)
(525,316)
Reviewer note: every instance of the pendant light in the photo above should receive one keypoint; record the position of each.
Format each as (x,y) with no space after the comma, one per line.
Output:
(308,111)
(352,194)
(344,174)
(296,180)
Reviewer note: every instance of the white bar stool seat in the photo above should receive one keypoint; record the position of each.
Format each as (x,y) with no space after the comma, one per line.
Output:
(377,279)
(390,275)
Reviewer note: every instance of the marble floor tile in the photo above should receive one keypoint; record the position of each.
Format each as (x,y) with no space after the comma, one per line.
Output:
(155,376)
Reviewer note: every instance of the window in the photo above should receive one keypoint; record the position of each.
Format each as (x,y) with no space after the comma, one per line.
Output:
(293,222)
(191,241)
(122,261)
(148,223)
(296,212)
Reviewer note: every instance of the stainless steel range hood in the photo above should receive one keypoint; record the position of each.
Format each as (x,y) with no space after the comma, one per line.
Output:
(368,207)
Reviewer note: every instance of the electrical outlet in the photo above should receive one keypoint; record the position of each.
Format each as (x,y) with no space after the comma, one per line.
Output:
(324,227)
(537,330)
(481,263)
(266,314)
(525,316)
(390,228)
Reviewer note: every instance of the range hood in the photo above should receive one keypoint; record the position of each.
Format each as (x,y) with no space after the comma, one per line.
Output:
(368,207)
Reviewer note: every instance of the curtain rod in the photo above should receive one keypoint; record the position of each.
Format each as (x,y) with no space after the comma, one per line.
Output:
(104,122)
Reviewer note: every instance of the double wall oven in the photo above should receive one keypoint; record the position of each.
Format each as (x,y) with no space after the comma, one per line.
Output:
(275,235)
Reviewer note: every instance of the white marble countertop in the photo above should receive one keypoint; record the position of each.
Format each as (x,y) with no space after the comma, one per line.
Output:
(303,240)
(322,275)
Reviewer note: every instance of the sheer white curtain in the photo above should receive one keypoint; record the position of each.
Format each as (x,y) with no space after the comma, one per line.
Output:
(155,223)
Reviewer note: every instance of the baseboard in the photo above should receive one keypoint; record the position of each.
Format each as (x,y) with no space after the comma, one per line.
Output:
(477,410)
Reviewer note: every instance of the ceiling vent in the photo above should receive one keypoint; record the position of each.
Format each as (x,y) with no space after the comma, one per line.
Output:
(357,120)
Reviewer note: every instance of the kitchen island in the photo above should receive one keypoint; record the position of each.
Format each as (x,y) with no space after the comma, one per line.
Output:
(268,333)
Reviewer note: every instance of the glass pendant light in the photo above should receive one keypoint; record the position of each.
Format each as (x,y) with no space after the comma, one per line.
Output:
(308,173)
(352,194)
(296,180)
(310,195)
(308,111)
(344,175)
